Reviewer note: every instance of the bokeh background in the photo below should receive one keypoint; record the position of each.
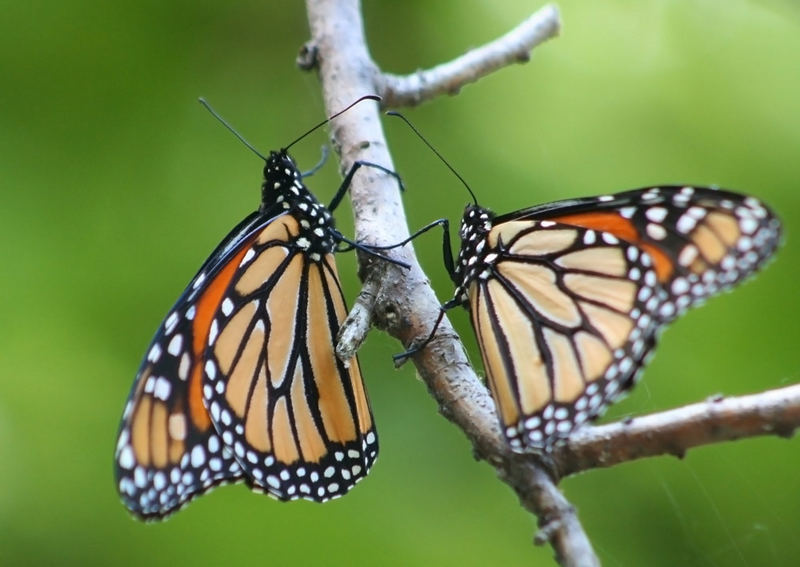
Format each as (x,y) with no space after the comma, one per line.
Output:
(115,185)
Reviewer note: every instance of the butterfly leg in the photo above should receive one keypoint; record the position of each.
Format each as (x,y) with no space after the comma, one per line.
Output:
(447,253)
(447,249)
(444,223)
(319,165)
(416,345)
(348,179)
(367,249)
(371,249)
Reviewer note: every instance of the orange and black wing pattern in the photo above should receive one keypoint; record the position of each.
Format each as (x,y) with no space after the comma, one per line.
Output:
(168,451)
(567,299)
(296,417)
(241,382)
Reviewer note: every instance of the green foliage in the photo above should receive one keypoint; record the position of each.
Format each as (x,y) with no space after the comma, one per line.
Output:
(116,184)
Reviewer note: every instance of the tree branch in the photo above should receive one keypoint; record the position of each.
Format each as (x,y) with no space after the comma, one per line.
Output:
(448,78)
(401,301)
(673,432)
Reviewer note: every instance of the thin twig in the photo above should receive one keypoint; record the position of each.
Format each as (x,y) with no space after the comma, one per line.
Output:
(673,432)
(450,77)
(358,322)
(404,303)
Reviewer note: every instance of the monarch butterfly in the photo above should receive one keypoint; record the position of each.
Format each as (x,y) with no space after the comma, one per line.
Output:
(241,381)
(568,298)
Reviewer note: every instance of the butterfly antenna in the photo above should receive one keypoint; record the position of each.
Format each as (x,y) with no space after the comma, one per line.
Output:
(321,124)
(213,112)
(434,150)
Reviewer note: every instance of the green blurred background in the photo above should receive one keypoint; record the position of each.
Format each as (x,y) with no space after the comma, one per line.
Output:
(116,184)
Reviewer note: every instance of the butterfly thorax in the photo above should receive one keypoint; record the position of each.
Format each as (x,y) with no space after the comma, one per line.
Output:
(474,259)
(283,192)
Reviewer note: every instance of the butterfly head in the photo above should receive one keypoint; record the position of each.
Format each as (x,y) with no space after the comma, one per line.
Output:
(283,185)
(475,223)
(283,191)
(280,168)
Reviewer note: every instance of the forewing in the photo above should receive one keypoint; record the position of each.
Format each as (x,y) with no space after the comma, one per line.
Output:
(701,240)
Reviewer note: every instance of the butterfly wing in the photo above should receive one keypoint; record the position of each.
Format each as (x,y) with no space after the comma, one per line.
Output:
(296,417)
(241,381)
(560,324)
(568,298)
(701,240)
(168,451)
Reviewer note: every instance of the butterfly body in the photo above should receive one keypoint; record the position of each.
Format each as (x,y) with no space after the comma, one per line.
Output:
(240,382)
(567,299)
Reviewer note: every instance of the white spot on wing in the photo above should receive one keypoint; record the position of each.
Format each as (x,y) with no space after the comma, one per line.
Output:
(199,280)
(609,238)
(198,456)
(169,324)
(685,223)
(212,332)
(656,231)
(687,255)
(627,212)
(696,212)
(680,286)
(175,345)
(656,214)
(227,306)
(748,225)
(183,367)
(155,353)
(247,257)
(162,388)
(125,459)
